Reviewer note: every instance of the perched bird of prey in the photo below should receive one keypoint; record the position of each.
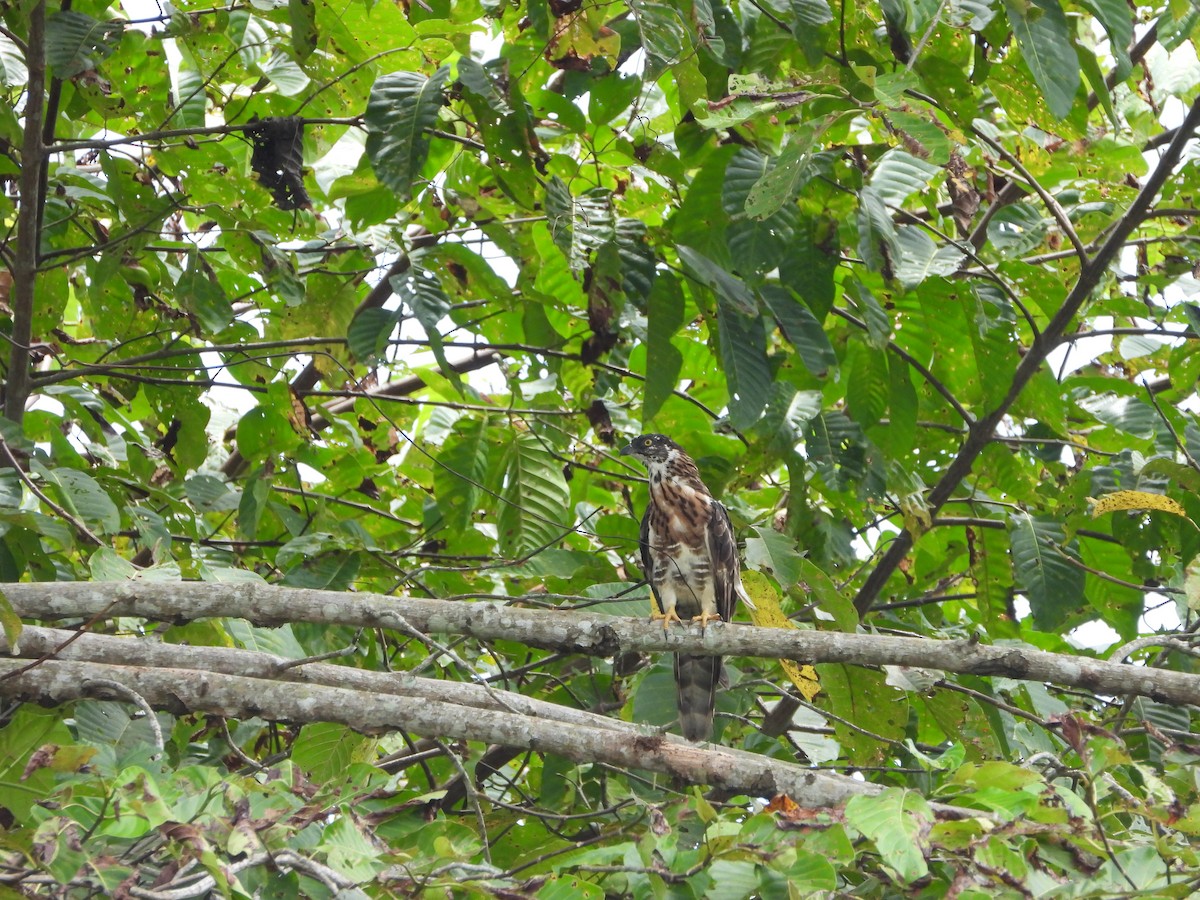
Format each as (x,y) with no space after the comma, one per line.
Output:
(690,558)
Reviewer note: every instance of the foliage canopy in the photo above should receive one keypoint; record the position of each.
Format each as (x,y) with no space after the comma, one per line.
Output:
(365,296)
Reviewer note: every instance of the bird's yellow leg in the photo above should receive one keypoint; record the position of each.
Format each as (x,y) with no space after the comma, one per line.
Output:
(705,617)
(667,618)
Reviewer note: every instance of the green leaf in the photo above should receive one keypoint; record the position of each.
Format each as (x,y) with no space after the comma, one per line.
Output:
(1053,585)
(402,107)
(579,225)
(664,317)
(801,328)
(743,345)
(732,879)
(535,506)
(11,623)
(898,175)
(1045,40)
(77,43)
(758,244)
(665,36)
(727,287)
(82,495)
(876,231)
(264,432)
(369,332)
(1130,414)
(776,552)
(780,183)
(107,565)
(1016,229)
(421,291)
(475,78)
(202,295)
(324,751)
(897,822)
(811,13)
(460,472)
(921,258)
(302,16)
(867,386)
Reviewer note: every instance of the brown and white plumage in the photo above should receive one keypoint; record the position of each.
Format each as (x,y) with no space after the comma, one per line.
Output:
(690,558)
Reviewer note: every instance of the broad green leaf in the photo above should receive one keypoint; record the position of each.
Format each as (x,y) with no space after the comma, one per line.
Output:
(775,552)
(1053,585)
(664,34)
(664,316)
(77,43)
(876,232)
(744,357)
(868,385)
(862,697)
(535,509)
(898,175)
(402,108)
(369,332)
(920,257)
(460,472)
(82,495)
(324,751)
(1046,45)
(728,288)
(11,623)
(801,328)
(759,244)
(896,821)
(1130,414)
(302,16)
(579,225)
(107,565)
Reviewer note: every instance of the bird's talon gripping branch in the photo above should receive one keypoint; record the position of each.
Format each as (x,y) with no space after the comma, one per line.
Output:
(705,618)
(667,618)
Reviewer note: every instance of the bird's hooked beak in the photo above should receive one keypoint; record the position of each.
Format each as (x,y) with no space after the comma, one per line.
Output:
(627,450)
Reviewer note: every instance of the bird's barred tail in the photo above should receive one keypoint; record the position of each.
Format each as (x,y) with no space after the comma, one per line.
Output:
(696,679)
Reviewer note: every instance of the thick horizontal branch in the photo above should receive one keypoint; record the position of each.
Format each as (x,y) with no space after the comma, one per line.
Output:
(586,632)
(416,705)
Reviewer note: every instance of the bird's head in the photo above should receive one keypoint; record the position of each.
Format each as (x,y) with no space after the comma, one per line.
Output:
(652,448)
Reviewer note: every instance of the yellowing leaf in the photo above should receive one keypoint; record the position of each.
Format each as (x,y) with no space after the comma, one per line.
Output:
(1123,500)
(766,613)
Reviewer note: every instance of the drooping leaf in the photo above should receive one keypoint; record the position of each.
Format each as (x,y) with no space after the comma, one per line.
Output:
(1053,585)
(1045,40)
(76,43)
(743,346)
(665,36)
(461,471)
(728,287)
(403,106)
(580,225)
(801,328)
(664,316)
(535,506)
